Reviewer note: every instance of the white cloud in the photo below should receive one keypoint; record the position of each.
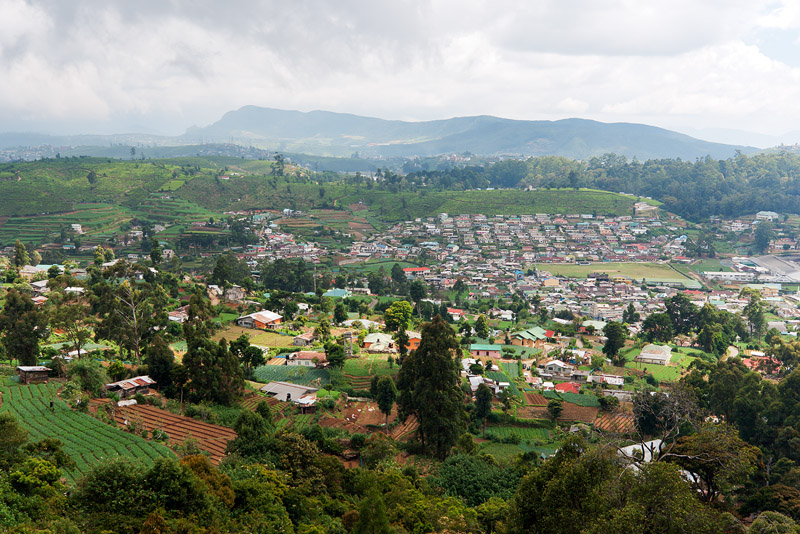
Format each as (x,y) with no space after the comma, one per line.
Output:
(173,64)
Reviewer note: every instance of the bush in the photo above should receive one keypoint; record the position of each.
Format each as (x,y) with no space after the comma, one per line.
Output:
(357,441)
(140,399)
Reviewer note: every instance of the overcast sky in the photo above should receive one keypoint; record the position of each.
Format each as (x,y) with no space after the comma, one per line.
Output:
(160,66)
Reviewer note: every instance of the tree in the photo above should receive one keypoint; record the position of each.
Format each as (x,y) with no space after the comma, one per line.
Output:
(615,333)
(630,315)
(36,258)
(401,341)
(372,515)
(681,312)
(398,275)
(214,372)
(755,316)
(160,362)
(398,315)
(22,326)
(323,330)
(339,313)
(773,523)
(99,255)
(12,438)
(249,356)
(483,405)
(429,387)
(385,395)
(417,291)
(554,409)
(481,327)
(335,355)
(764,233)
(68,314)
(21,257)
(658,327)
(156,255)
(717,458)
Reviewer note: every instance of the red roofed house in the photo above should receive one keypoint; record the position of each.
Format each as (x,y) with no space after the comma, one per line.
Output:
(456,313)
(568,387)
(131,386)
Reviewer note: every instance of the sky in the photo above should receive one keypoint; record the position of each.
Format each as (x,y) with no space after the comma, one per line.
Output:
(161,66)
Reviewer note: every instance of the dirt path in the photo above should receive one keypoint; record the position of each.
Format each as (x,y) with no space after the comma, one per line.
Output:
(732,352)
(213,298)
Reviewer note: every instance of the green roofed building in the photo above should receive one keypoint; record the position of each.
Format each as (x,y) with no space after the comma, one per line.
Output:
(532,337)
(478,350)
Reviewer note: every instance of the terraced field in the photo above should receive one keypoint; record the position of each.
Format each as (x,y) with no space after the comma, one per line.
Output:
(210,438)
(86,440)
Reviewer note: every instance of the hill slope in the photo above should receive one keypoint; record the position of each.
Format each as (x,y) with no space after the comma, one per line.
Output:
(339,134)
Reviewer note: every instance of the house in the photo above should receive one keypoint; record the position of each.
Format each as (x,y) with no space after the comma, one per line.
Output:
(261,320)
(179,315)
(32,374)
(568,387)
(486,351)
(378,342)
(655,354)
(303,340)
(307,358)
(455,313)
(557,367)
(303,396)
(337,293)
(532,337)
(413,340)
(234,294)
(416,272)
(131,386)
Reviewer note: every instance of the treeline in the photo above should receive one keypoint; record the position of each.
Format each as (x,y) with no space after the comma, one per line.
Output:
(695,190)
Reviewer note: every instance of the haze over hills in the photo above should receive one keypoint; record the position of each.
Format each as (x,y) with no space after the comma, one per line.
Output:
(341,134)
(325,133)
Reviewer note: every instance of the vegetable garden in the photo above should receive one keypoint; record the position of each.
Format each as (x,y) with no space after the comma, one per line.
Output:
(85,439)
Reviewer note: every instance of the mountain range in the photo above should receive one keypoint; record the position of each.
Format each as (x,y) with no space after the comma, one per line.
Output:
(326,133)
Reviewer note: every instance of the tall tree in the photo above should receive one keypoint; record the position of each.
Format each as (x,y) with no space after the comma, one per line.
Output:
(658,327)
(21,257)
(429,388)
(386,393)
(249,356)
(160,363)
(22,326)
(481,327)
(630,315)
(483,405)
(69,314)
(615,338)
(682,312)
(417,291)
(214,372)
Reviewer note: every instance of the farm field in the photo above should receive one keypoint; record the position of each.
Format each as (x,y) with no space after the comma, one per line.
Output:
(210,438)
(257,337)
(525,434)
(368,366)
(660,272)
(86,439)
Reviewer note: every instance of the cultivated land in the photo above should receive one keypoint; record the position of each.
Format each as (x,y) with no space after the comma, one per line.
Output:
(85,439)
(658,272)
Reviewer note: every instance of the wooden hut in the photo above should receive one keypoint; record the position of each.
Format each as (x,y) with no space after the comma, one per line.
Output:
(32,374)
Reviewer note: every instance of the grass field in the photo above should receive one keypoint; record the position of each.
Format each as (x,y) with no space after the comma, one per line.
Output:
(532,435)
(650,271)
(662,373)
(370,365)
(257,337)
(86,440)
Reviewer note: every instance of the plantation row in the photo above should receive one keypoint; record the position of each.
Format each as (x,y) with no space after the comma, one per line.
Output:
(86,440)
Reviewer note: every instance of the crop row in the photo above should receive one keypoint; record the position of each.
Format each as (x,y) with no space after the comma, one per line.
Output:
(87,440)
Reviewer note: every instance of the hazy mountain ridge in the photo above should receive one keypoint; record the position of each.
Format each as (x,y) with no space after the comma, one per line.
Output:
(325,133)
(328,133)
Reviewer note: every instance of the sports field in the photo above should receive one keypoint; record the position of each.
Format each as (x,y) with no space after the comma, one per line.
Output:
(657,272)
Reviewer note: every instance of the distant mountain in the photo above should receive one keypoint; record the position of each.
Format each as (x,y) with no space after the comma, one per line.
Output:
(341,134)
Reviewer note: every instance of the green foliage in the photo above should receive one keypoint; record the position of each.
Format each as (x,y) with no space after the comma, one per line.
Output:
(475,480)
(90,374)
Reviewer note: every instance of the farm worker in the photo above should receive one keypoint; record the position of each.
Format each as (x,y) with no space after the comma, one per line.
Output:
(52,406)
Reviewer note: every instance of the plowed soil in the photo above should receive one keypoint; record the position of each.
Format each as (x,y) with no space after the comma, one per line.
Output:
(210,438)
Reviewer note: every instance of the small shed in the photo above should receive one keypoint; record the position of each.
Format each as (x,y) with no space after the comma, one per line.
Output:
(32,374)
(131,386)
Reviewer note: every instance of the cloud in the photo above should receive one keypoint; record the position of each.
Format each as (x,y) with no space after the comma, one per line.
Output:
(164,66)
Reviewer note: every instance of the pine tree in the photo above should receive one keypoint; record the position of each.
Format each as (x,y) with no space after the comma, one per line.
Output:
(429,388)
